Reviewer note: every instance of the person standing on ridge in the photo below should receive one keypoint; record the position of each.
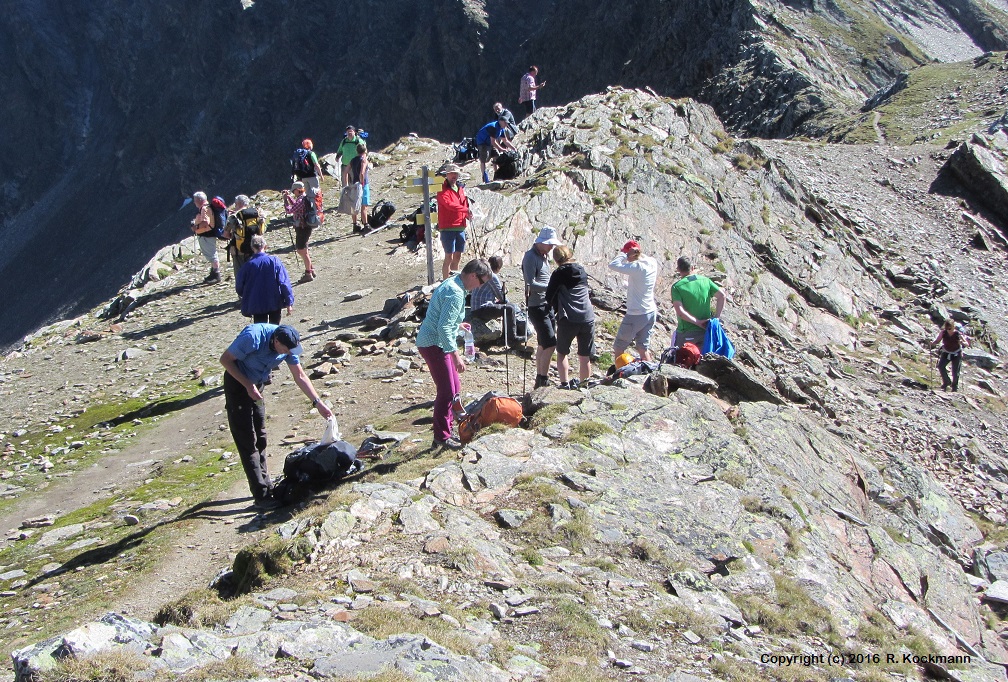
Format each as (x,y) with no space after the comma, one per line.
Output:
(952,342)
(264,285)
(203,227)
(297,207)
(256,351)
(347,151)
(359,168)
(491,138)
(452,218)
(692,297)
(307,169)
(437,341)
(567,294)
(642,311)
(536,272)
(528,89)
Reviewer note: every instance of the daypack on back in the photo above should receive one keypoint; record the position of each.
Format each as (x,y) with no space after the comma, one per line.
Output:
(301,164)
(248,223)
(218,208)
(380,213)
(492,408)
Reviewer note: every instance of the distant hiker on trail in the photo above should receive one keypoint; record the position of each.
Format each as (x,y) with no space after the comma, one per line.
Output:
(642,312)
(256,351)
(264,285)
(536,271)
(306,168)
(491,138)
(452,219)
(500,111)
(359,168)
(241,226)
(489,302)
(952,342)
(297,207)
(528,89)
(347,151)
(567,294)
(691,297)
(437,341)
(203,228)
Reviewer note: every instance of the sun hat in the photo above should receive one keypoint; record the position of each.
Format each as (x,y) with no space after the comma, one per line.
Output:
(289,337)
(630,245)
(548,235)
(452,168)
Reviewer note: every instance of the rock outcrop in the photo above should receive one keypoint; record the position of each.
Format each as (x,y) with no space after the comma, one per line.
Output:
(981,165)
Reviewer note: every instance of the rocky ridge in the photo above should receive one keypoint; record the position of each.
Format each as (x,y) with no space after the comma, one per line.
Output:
(688,535)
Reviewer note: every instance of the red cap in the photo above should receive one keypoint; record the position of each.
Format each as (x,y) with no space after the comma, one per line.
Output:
(630,245)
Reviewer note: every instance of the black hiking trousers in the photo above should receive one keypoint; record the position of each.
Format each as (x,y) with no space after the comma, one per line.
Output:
(956,360)
(247,420)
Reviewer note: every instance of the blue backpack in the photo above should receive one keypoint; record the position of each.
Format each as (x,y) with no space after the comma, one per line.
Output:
(218,208)
(301,163)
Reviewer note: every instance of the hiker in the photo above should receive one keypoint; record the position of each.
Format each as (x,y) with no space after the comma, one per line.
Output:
(308,171)
(536,271)
(500,111)
(241,226)
(359,168)
(489,302)
(953,341)
(641,310)
(437,341)
(263,285)
(297,207)
(692,296)
(491,138)
(567,294)
(528,89)
(347,152)
(203,227)
(256,351)
(452,219)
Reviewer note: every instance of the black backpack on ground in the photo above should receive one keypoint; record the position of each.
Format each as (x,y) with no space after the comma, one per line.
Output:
(381,213)
(466,150)
(313,467)
(508,165)
(301,163)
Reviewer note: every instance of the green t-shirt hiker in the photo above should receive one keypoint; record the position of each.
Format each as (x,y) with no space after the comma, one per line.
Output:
(696,299)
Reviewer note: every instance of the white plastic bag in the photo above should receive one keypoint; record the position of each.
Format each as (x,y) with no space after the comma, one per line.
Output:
(332,433)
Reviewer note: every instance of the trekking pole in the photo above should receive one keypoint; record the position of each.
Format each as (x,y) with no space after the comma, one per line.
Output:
(932,365)
(507,349)
(525,355)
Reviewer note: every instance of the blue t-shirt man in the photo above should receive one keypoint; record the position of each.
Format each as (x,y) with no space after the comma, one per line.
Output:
(492,130)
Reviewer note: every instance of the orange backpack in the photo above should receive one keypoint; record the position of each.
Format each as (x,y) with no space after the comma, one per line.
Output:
(492,408)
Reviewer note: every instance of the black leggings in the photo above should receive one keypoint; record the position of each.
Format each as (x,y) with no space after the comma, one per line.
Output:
(956,360)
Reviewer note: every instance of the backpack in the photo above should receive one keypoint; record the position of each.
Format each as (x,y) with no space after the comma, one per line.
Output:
(301,163)
(314,215)
(380,213)
(508,165)
(248,223)
(220,215)
(313,466)
(466,150)
(409,233)
(688,355)
(492,408)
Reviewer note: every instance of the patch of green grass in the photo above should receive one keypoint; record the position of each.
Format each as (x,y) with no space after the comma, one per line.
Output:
(532,556)
(255,564)
(586,431)
(604,361)
(577,630)
(107,666)
(610,326)
(547,415)
(235,667)
(198,609)
(732,477)
(381,621)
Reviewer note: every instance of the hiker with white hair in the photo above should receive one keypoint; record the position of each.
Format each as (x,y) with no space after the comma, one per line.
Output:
(203,227)
(241,226)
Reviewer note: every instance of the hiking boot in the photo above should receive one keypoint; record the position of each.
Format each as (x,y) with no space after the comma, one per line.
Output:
(541,380)
(451,443)
(213,277)
(307,277)
(266,503)
(572,385)
(486,177)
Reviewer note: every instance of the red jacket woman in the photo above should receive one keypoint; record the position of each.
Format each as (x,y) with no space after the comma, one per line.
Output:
(453,216)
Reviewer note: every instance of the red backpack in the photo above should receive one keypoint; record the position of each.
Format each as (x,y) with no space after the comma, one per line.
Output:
(688,355)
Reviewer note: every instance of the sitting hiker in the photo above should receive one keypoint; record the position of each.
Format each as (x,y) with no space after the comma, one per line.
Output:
(489,302)
(953,342)
(263,285)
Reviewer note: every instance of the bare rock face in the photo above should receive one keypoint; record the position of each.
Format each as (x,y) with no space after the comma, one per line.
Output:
(981,164)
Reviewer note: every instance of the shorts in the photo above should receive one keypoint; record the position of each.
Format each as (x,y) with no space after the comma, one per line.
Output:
(695,336)
(485,152)
(301,236)
(453,241)
(208,247)
(544,322)
(584,333)
(636,330)
(366,195)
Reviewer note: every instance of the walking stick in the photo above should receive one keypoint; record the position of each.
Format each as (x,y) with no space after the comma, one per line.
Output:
(932,364)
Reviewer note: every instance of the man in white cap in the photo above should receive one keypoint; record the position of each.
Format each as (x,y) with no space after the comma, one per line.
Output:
(535,268)
(248,361)
(641,310)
